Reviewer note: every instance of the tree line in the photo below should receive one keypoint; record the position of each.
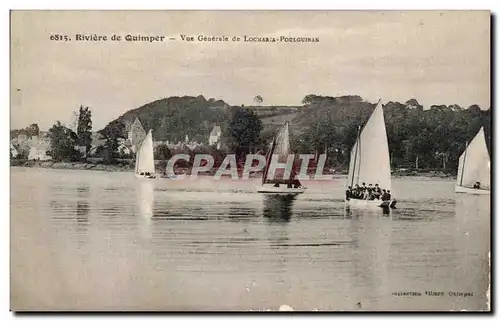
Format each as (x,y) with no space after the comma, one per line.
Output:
(418,138)
(432,138)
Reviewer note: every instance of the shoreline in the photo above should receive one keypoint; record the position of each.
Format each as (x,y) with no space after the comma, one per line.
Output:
(129,167)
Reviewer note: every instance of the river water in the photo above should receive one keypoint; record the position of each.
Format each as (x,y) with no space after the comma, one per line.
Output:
(87,240)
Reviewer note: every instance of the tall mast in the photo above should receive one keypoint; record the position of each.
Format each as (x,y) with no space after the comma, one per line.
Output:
(268,160)
(358,142)
(463,164)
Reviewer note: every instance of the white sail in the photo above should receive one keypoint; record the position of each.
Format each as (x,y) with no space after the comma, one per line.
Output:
(144,161)
(280,146)
(477,163)
(370,161)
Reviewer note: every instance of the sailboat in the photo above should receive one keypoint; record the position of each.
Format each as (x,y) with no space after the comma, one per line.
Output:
(280,146)
(370,162)
(474,167)
(144,160)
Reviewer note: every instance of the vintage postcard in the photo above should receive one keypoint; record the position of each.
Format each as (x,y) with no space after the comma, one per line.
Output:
(250,160)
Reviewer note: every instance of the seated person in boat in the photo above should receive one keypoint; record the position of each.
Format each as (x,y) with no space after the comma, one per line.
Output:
(363,187)
(349,193)
(366,194)
(386,196)
(377,192)
(355,192)
(369,189)
(477,185)
(296,183)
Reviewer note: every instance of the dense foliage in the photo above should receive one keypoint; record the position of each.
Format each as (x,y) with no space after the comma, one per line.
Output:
(30,131)
(111,134)
(84,128)
(63,141)
(162,152)
(431,138)
(244,131)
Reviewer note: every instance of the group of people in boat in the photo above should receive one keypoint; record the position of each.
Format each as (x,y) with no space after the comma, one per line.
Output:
(291,184)
(477,185)
(369,192)
(146,174)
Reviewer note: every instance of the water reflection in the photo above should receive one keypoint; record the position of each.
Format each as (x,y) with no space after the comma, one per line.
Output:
(356,212)
(82,205)
(371,235)
(278,208)
(240,214)
(145,198)
(145,206)
(82,216)
(201,249)
(472,243)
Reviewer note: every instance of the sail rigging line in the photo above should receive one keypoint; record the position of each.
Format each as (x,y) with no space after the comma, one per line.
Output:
(355,156)
(359,161)
(268,160)
(463,165)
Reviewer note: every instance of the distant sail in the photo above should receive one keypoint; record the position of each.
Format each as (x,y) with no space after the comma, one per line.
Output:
(370,162)
(144,162)
(477,163)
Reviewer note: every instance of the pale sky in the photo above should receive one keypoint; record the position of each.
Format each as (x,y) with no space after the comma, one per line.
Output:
(435,57)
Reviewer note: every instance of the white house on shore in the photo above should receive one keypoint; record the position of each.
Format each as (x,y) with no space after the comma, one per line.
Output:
(13,151)
(39,152)
(215,135)
(123,148)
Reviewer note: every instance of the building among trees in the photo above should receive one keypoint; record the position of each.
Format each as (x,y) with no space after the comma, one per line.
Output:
(215,136)
(13,151)
(40,151)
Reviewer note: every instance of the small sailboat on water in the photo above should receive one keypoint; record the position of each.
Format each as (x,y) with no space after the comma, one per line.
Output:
(280,146)
(370,162)
(473,175)
(144,160)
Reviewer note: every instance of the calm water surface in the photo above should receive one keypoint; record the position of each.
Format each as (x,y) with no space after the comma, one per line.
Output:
(85,240)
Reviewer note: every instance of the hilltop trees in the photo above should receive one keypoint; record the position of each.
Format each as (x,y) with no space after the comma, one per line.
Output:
(258,100)
(175,117)
(30,131)
(435,137)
